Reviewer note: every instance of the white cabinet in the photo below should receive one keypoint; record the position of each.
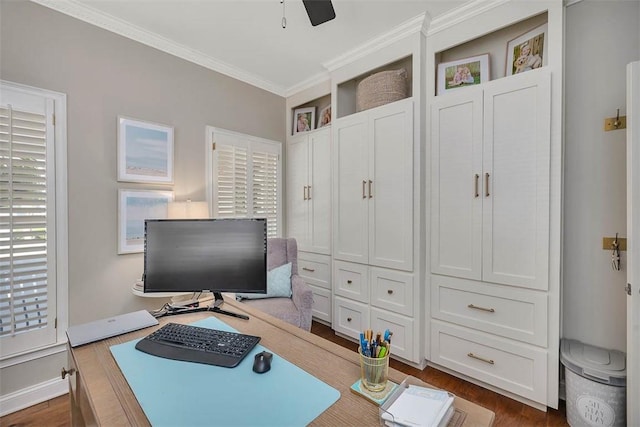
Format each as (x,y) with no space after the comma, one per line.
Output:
(315,270)
(373,187)
(490,182)
(309,190)
(490,228)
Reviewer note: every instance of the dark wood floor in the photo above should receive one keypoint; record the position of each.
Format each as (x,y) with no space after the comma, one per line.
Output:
(509,412)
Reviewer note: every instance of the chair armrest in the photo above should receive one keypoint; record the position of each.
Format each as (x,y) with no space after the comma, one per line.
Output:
(302,297)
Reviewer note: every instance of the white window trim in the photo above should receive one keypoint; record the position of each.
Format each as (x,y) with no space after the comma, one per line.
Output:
(61,228)
(210,139)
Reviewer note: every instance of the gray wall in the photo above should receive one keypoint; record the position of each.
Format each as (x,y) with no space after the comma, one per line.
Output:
(602,37)
(105,75)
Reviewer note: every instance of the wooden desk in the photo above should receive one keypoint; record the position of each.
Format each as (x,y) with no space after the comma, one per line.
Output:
(100,394)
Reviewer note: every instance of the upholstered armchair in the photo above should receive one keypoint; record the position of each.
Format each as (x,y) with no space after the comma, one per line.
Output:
(296,309)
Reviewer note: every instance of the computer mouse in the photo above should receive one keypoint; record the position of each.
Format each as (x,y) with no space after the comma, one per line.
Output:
(262,362)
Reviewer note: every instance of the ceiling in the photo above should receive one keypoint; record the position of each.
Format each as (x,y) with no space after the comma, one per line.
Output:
(245,38)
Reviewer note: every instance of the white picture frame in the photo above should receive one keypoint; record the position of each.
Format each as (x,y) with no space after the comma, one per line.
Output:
(304,120)
(324,117)
(462,73)
(145,151)
(134,206)
(519,61)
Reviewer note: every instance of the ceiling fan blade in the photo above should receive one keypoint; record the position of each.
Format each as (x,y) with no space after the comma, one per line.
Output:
(319,11)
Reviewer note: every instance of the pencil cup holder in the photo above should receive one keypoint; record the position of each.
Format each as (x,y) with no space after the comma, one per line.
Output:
(374,371)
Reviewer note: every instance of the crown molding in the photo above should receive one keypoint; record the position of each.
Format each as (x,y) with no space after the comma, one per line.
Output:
(409,27)
(125,29)
(462,13)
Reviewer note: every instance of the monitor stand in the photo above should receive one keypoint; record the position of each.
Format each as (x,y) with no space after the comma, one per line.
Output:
(215,307)
(218,301)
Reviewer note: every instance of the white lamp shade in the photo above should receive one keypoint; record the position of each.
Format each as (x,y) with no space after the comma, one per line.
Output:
(188,210)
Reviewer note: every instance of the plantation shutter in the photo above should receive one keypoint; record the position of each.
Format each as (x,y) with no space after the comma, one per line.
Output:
(231,181)
(25,288)
(265,189)
(246,178)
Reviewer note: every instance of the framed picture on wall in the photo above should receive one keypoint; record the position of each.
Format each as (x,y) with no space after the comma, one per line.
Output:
(304,120)
(527,52)
(463,72)
(134,206)
(145,152)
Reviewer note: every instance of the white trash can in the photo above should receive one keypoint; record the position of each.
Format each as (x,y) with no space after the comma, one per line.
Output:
(595,380)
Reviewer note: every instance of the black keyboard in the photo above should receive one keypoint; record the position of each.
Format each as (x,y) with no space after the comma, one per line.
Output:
(201,345)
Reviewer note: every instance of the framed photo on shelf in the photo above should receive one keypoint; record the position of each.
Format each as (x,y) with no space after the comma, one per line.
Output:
(145,152)
(463,72)
(527,52)
(324,118)
(304,119)
(134,206)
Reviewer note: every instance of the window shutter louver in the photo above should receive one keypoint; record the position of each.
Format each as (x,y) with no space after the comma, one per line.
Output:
(265,190)
(246,178)
(23,222)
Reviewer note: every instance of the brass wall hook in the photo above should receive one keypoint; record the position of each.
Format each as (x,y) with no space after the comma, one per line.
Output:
(615,123)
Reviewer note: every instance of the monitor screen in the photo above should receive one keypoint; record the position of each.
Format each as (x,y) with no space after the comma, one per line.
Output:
(216,255)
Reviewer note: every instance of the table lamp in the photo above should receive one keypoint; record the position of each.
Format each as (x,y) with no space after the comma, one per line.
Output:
(188,210)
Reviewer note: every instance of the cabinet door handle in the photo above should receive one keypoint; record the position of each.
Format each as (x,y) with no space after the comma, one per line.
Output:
(477,180)
(308,192)
(349,319)
(304,193)
(486,184)
(64,372)
(364,183)
(475,307)
(349,282)
(390,291)
(308,269)
(370,193)
(482,359)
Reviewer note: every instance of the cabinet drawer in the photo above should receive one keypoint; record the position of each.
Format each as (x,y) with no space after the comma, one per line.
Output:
(350,317)
(315,269)
(506,364)
(350,280)
(392,290)
(403,343)
(501,310)
(321,307)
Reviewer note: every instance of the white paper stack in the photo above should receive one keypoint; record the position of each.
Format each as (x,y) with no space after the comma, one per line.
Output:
(419,407)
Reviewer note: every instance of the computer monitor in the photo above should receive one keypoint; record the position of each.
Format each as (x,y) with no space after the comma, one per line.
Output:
(206,255)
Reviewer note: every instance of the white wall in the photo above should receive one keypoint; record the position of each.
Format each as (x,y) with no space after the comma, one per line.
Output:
(601,38)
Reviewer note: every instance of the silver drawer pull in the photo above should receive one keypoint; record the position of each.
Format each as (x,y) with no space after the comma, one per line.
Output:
(308,269)
(389,291)
(475,307)
(482,359)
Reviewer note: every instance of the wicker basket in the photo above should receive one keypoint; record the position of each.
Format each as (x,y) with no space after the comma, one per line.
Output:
(381,88)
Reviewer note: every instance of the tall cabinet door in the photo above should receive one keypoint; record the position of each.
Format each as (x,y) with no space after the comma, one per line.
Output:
(390,186)
(319,191)
(516,169)
(297,179)
(350,226)
(456,200)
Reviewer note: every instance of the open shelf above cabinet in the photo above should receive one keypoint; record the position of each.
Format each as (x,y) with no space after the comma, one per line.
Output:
(321,114)
(502,45)
(347,91)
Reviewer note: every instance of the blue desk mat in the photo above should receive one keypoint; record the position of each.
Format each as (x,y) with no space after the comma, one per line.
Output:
(176,393)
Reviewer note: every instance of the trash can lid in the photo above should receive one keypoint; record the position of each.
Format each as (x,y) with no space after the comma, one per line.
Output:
(595,363)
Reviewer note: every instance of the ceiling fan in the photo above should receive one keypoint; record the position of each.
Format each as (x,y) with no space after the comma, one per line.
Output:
(319,11)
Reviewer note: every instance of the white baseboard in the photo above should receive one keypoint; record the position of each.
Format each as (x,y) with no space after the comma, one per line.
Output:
(33,395)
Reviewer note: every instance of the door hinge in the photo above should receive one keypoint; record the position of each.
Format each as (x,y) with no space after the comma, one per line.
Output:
(628,288)
(213,146)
